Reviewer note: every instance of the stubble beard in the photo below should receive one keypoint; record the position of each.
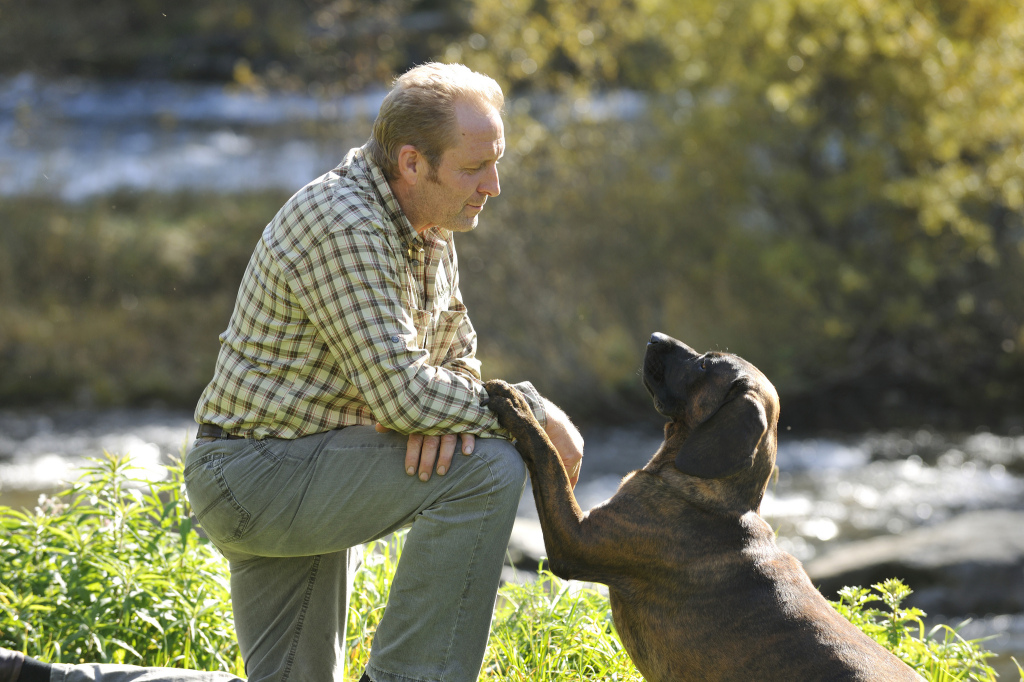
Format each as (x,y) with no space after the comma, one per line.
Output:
(454,222)
(457,223)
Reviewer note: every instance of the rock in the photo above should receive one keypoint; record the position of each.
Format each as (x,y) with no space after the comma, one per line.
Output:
(972,564)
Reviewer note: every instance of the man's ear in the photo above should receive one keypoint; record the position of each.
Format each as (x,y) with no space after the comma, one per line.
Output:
(411,164)
(726,442)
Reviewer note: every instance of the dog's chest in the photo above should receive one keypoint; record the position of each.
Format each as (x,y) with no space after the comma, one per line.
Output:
(671,625)
(646,631)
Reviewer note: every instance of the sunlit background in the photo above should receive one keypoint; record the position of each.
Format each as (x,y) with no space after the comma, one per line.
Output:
(833,189)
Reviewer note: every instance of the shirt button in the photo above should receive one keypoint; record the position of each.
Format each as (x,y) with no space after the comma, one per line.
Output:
(395,339)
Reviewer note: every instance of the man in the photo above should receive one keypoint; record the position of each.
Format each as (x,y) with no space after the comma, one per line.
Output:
(349,330)
(350,314)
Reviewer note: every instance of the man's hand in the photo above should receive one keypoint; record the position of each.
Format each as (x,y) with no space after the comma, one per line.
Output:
(566,439)
(421,452)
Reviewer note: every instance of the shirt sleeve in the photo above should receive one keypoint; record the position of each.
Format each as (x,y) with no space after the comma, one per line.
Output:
(350,288)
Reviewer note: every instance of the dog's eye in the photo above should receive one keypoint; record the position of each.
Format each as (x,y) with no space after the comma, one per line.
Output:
(703,363)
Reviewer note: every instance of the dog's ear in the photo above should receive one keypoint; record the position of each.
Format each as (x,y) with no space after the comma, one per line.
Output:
(725,443)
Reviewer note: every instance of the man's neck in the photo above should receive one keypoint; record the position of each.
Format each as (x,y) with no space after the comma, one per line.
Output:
(406,203)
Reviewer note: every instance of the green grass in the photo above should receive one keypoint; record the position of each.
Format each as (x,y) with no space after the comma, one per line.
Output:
(554,630)
(111,570)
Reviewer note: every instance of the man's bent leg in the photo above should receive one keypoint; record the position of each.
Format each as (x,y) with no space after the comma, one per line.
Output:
(14,665)
(289,611)
(439,610)
(290,614)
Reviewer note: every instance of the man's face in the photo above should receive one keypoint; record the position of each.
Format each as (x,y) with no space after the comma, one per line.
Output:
(467,174)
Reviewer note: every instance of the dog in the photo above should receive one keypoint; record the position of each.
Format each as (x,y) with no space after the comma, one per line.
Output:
(698,588)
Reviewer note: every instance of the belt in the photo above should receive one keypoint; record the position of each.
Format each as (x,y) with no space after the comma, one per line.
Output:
(213,431)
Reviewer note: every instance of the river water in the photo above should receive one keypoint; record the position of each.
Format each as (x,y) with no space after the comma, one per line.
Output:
(73,139)
(828,490)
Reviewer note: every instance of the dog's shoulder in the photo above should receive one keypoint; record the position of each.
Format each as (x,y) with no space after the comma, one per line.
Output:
(655,511)
(652,494)
(644,511)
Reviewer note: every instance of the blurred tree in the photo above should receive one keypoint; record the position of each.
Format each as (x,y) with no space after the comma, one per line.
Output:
(323,45)
(846,176)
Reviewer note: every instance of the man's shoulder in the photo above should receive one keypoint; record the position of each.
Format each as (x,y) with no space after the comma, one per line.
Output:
(336,202)
(342,198)
(339,202)
(352,200)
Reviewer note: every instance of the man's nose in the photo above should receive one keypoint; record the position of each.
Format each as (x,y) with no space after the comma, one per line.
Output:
(490,185)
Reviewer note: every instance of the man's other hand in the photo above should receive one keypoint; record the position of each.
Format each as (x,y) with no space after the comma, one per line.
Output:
(567,440)
(422,452)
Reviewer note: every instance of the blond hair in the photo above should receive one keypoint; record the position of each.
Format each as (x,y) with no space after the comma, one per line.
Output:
(420,111)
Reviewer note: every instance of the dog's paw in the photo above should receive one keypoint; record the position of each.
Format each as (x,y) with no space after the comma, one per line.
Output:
(509,405)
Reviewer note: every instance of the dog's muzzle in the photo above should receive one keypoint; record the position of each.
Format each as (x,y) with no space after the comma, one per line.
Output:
(654,359)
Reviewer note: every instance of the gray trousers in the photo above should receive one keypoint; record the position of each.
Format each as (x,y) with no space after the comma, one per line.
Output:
(290,516)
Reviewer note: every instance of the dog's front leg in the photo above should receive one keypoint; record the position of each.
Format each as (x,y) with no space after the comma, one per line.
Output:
(561,518)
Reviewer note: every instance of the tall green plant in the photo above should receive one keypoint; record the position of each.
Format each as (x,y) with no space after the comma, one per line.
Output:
(110,571)
(940,655)
(554,630)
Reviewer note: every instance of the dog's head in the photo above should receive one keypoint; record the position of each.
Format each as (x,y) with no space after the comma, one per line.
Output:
(724,413)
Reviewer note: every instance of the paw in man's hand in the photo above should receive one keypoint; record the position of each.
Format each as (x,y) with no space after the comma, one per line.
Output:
(509,405)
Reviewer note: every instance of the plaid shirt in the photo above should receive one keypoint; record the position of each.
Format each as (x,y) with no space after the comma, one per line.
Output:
(346,315)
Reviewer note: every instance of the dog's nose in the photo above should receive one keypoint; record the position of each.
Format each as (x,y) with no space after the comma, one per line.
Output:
(663,343)
(658,337)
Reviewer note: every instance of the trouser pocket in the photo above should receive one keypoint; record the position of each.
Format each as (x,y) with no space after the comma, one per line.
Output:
(220,513)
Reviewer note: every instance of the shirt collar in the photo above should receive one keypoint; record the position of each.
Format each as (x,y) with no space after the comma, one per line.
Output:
(395,215)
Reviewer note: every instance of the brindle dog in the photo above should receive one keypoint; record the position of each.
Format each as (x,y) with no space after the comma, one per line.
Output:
(699,590)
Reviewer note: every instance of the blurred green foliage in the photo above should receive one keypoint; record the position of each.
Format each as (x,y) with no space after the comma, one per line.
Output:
(120,300)
(343,45)
(832,188)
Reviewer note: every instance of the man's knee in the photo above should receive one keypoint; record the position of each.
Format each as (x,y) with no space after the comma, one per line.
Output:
(504,464)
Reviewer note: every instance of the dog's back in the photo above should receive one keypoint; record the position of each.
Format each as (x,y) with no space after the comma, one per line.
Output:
(737,608)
